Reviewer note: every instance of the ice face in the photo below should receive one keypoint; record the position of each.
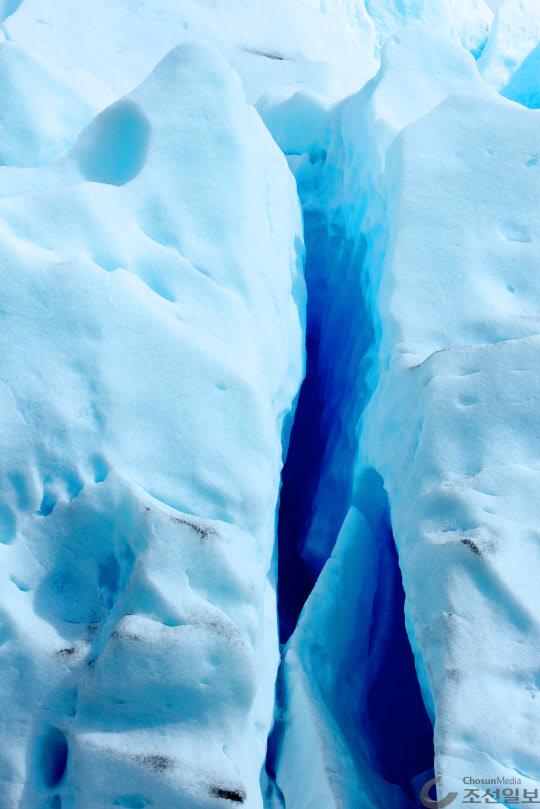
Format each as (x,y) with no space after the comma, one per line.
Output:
(138,604)
(514,35)
(164,204)
(462,438)
(467,23)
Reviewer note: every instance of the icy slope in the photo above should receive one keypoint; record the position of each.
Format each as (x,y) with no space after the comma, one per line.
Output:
(452,428)
(515,33)
(467,23)
(524,86)
(152,311)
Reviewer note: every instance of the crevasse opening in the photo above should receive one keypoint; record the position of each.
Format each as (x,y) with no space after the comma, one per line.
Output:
(395,724)
(384,716)
(317,475)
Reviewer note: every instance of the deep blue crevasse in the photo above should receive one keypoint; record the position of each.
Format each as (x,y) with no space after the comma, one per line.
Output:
(316,493)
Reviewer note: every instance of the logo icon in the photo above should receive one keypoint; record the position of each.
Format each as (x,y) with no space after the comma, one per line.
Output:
(433,803)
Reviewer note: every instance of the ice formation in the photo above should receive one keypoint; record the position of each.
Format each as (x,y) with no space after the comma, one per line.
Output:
(153,350)
(269,396)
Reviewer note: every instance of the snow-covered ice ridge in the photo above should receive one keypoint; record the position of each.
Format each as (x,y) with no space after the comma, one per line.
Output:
(269,394)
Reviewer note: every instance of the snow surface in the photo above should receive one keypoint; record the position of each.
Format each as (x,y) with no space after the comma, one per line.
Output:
(173,174)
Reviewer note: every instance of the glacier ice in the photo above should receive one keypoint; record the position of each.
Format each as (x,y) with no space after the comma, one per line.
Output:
(139,630)
(524,85)
(466,432)
(269,396)
(515,33)
(469,22)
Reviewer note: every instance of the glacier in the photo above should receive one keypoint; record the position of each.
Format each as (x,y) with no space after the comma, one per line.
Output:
(269,388)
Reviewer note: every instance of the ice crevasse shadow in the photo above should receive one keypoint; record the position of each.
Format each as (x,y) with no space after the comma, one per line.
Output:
(380,712)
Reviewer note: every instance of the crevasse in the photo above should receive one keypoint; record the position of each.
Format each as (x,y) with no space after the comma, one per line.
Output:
(390,193)
(377,711)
